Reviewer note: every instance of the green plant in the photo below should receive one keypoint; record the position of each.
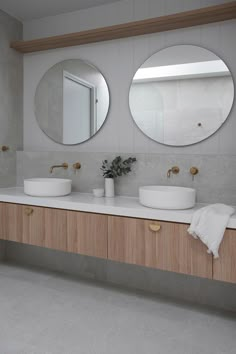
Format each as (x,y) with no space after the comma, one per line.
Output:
(117,167)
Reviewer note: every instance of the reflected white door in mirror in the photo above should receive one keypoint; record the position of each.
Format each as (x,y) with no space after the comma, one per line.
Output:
(71,102)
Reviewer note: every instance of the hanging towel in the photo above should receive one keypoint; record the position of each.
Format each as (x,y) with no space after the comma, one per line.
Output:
(209,224)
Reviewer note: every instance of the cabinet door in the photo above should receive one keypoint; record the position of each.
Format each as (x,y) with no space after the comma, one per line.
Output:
(87,233)
(44,227)
(24,224)
(169,248)
(13,222)
(56,229)
(224,267)
(33,225)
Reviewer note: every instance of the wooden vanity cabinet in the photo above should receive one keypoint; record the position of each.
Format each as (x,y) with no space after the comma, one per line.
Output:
(224,267)
(63,230)
(154,244)
(161,245)
(36,226)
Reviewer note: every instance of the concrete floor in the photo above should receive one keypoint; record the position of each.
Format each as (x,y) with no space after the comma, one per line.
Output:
(48,313)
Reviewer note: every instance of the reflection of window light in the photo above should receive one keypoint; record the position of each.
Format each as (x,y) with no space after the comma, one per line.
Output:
(183,71)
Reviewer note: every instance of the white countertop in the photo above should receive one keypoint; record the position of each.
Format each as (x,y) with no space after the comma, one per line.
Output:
(122,206)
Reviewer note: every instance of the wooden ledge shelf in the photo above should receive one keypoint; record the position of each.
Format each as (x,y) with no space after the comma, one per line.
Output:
(160,24)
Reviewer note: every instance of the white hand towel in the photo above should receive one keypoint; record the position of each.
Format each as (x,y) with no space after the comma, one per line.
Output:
(209,224)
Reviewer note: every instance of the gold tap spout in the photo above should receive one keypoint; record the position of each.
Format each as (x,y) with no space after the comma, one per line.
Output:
(64,165)
(174,170)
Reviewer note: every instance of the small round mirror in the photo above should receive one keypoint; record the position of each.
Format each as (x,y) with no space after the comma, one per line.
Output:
(181,95)
(71,102)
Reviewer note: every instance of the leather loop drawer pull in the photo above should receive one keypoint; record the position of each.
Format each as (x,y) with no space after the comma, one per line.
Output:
(29,211)
(154,227)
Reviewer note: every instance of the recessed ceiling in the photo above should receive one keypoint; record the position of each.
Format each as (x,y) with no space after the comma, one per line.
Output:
(26,10)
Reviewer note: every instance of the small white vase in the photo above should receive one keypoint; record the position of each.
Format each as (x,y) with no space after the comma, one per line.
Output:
(109,187)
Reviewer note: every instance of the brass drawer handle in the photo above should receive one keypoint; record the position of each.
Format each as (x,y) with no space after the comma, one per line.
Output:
(29,211)
(154,227)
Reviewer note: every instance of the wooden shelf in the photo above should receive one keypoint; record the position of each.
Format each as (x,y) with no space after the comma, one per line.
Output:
(160,24)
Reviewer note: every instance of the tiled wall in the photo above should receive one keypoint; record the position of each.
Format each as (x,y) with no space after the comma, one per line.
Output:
(11,98)
(215,181)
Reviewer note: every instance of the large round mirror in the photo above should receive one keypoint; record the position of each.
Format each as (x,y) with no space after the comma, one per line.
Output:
(71,102)
(181,95)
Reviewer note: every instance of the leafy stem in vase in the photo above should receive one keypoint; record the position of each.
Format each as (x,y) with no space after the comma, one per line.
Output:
(117,167)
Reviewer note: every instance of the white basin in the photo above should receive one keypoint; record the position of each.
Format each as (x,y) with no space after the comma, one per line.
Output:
(47,187)
(167,197)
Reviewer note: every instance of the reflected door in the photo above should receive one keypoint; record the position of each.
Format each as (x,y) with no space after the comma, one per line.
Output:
(76,111)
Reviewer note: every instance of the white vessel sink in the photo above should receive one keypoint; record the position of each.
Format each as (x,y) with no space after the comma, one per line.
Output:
(167,197)
(47,187)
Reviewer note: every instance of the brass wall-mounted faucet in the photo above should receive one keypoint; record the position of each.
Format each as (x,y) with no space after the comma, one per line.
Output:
(64,165)
(193,171)
(174,170)
(4,148)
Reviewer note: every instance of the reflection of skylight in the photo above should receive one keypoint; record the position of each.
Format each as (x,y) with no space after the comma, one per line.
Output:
(183,71)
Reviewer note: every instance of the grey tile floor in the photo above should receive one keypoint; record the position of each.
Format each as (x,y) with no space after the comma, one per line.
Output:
(49,313)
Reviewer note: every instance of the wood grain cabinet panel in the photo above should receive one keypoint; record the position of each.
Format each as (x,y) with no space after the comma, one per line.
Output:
(45,227)
(171,248)
(33,220)
(13,222)
(63,230)
(56,229)
(224,267)
(23,223)
(87,233)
